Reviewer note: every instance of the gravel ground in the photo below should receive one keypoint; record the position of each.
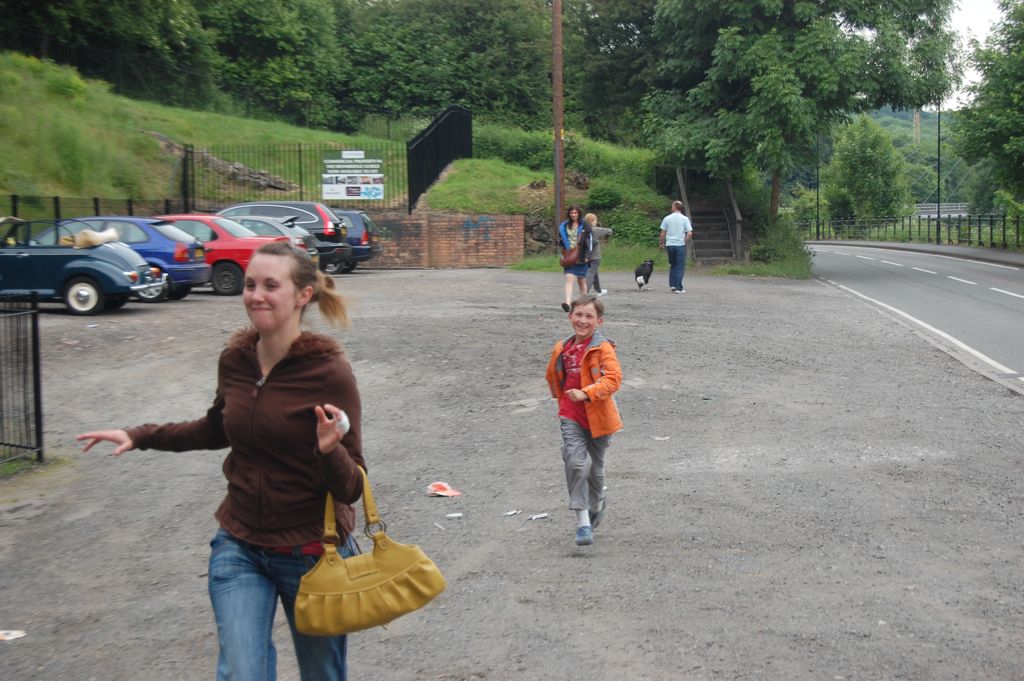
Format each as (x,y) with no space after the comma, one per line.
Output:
(806,488)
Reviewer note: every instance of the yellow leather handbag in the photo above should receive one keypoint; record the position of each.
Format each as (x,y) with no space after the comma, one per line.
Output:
(342,595)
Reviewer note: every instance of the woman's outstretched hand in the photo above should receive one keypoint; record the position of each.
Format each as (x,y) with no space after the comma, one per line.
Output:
(120,438)
(330,428)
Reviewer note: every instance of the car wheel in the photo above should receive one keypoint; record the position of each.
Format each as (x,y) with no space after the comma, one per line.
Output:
(83,297)
(348,267)
(154,295)
(179,292)
(227,279)
(332,267)
(115,302)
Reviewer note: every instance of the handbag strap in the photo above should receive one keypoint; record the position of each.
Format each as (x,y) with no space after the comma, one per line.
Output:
(369,511)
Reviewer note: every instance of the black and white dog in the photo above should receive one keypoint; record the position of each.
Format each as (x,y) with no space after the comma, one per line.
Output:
(643,273)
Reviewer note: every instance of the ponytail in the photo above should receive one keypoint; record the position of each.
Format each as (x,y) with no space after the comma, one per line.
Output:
(331,303)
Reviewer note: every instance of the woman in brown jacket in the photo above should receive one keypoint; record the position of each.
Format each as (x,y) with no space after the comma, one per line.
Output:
(288,408)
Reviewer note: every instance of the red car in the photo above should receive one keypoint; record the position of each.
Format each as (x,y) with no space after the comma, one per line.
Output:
(229,247)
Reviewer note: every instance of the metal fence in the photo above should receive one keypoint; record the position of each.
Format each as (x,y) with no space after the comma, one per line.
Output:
(993,231)
(58,207)
(364,175)
(368,174)
(21,399)
(449,137)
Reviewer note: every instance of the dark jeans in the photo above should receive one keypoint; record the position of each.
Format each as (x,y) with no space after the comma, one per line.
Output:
(676,266)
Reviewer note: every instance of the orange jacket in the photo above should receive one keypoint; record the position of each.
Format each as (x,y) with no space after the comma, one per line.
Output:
(600,376)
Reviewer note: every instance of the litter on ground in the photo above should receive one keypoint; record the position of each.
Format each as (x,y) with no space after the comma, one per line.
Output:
(442,489)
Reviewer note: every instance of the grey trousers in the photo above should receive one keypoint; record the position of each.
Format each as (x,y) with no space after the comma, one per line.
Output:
(583,456)
(592,277)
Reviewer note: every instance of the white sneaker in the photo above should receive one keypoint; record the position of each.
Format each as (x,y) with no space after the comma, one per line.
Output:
(602,292)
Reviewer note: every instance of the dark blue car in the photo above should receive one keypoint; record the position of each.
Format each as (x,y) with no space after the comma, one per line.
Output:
(176,253)
(363,236)
(88,275)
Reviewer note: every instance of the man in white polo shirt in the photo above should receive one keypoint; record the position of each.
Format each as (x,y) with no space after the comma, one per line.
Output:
(676,231)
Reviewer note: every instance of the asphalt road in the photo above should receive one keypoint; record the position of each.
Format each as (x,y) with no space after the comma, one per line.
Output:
(975,306)
(804,489)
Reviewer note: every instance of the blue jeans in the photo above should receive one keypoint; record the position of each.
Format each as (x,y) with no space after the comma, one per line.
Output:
(676,266)
(245,582)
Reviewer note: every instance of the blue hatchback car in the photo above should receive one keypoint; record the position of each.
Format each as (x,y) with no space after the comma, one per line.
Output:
(176,253)
(363,236)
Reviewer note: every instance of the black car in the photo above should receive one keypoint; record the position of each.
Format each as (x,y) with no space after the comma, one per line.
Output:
(315,217)
(363,236)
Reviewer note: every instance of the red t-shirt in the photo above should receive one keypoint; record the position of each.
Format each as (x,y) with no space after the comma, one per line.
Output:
(572,361)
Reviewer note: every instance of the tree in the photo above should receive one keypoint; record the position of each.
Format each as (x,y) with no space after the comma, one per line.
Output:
(753,81)
(491,56)
(148,48)
(867,177)
(610,60)
(808,206)
(282,55)
(993,124)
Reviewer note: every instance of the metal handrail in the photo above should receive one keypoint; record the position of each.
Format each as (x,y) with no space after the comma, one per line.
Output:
(728,224)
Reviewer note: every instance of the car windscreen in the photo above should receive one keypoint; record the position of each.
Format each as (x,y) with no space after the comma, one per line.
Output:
(371,226)
(233,228)
(173,233)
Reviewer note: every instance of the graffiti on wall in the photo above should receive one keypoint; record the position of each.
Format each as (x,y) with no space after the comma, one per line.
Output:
(477,227)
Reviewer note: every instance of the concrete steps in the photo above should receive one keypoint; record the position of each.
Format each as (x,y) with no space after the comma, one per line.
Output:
(712,242)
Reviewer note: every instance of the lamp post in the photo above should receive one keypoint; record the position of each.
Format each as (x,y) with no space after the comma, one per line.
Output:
(817,187)
(938,178)
(557,123)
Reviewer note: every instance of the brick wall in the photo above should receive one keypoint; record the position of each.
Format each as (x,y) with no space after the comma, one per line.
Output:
(447,240)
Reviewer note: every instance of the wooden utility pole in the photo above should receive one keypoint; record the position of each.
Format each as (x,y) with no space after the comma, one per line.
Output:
(557,105)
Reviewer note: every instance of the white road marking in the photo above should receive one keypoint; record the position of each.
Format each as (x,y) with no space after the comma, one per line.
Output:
(864,257)
(999,290)
(904,251)
(980,262)
(942,334)
(894,264)
(963,281)
(925,271)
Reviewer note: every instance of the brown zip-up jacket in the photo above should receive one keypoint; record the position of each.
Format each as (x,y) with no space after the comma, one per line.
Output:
(277,480)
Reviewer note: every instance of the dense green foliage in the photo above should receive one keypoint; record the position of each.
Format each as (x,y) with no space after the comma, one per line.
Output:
(755,81)
(320,63)
(993,125)
(65,135)
(866,178)
(748,89)
(779,242)
(611,64)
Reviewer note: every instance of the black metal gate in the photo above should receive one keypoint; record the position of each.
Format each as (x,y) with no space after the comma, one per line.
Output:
(449,137)
(21,398)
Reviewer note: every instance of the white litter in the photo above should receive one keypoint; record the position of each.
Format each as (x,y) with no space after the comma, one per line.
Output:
(539,516)
(515,512)
(454,515)
(11,634)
